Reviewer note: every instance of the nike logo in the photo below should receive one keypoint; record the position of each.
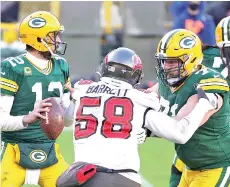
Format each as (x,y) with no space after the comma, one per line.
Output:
(215,76)
(3,73)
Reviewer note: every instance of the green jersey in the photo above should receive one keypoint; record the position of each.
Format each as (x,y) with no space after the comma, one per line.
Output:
(209,145)
(29,84)
(213,60)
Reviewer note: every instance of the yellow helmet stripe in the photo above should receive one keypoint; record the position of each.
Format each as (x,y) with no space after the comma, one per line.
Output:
(166,39)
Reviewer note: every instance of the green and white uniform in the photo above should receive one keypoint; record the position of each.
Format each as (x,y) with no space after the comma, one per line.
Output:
(211,60)
(214,135)
(28,84)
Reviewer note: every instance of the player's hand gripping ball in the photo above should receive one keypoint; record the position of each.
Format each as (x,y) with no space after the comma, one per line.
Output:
(53,125)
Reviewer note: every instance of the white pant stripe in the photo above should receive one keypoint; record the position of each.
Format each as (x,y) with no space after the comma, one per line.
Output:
(225,179)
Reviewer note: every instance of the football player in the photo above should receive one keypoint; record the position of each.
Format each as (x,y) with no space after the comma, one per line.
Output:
(26,84)
(179,70)
(217,58)
(109,113)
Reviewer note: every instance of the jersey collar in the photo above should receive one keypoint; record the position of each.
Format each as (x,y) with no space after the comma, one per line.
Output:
(44,66)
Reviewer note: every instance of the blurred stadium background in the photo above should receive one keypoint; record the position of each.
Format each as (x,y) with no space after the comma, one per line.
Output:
(92,29)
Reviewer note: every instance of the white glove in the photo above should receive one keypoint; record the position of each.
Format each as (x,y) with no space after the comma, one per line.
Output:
(213,100)
(210,98)
(141,136)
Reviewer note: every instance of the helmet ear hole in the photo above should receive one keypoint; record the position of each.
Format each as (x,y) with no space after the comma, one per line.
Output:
(193,60)
(39,40)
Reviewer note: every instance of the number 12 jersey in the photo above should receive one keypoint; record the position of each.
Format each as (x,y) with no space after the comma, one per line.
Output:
(29,84)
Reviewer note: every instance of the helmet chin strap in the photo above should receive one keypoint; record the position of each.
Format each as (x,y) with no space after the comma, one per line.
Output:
(45,44)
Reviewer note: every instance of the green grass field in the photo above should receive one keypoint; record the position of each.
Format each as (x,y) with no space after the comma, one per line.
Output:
(156,158)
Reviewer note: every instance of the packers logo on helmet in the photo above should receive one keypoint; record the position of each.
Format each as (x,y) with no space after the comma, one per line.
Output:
(37,22)
(41,31)
(178,54)
(187,42)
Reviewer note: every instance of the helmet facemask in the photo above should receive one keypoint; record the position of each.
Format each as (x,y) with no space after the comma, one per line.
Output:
(53,42)
(121,72)
(171,71)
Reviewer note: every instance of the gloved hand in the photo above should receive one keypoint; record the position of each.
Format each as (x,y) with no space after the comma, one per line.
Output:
(141,136)
(212,98)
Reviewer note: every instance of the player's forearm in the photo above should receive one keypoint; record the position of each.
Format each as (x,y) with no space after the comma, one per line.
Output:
(69,114)
(68,109)
(177,131)
(8,122)
(11,123)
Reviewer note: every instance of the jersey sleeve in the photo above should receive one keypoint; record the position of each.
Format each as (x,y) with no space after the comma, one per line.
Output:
(214,84)
(10,79)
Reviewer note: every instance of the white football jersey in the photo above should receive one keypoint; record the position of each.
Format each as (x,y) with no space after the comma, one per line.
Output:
(109,114)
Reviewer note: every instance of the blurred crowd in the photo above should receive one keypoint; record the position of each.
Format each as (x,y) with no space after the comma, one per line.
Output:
(201,17)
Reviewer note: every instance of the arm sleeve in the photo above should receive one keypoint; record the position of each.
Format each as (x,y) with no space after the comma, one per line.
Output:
(177,131)
(8,122)
(68,108)
(69,115)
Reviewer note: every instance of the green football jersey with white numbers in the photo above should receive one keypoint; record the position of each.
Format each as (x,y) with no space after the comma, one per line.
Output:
(213,60)
(29,84)
(209,145)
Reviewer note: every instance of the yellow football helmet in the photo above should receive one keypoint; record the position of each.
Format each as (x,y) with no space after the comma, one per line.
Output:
(40,30)
(223,33)
(181,47)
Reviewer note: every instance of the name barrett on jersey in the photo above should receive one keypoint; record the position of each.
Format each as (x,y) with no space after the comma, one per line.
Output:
(103,88)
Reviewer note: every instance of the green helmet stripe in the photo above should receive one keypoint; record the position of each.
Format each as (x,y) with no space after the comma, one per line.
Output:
(228,29)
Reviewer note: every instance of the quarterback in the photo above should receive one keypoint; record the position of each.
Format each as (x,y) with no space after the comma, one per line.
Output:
(26,84)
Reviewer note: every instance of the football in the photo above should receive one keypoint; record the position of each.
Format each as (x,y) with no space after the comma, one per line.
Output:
(54,124)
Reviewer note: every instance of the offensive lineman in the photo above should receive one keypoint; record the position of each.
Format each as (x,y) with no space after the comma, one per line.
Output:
(179,70)
(216,58)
